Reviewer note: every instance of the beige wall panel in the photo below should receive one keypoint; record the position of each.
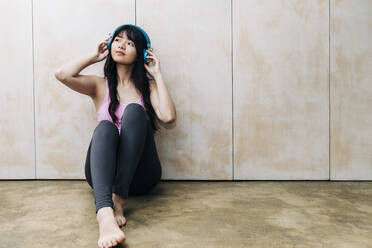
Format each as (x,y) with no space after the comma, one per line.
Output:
(281,99)
(17,160)
(351,90)
(65,119)
(193,42)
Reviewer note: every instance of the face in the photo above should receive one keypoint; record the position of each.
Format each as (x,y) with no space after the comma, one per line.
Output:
(123,50)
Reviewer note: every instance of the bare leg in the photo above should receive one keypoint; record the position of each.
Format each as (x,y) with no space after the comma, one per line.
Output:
(109,232)
(119,209)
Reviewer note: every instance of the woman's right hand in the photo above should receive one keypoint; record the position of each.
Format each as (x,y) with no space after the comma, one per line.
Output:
(101,51)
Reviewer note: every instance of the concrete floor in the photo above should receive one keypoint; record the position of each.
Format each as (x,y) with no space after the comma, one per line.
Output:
(53,213)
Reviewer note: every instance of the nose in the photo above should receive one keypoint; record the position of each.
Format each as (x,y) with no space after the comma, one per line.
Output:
(121,45)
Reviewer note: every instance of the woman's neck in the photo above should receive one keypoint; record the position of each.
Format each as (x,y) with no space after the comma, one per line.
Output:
(124,74)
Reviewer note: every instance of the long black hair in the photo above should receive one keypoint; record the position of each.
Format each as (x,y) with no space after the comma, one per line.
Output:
(139,75)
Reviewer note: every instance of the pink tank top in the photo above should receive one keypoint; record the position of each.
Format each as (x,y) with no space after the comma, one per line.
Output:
(103,113)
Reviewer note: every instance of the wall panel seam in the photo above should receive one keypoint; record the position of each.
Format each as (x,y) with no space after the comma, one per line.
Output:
(33,82)
(232,89)
(329,90)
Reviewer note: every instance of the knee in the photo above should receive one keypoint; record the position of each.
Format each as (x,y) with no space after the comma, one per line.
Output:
(105,129)
(134,114)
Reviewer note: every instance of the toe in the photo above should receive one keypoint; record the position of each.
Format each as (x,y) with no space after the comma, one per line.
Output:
(110,243)
(119,221)
(120,238)
(114,242)
(106,244)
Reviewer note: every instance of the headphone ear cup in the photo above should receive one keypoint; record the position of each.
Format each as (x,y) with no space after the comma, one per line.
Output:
(145,56)
(108,43)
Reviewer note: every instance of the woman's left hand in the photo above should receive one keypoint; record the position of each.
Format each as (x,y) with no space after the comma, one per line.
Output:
(155,68)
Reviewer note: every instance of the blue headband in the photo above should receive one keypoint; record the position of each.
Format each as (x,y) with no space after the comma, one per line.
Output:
(148,44)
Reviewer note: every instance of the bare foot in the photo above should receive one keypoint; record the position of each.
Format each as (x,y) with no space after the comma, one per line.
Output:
(119,209)
(109,232)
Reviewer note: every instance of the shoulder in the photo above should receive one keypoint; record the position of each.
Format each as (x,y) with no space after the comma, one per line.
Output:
(100,83)
(101,80)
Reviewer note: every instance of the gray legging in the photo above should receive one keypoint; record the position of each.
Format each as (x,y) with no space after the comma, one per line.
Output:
(125,164)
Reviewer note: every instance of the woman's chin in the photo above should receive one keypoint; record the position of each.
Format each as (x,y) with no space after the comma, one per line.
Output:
(123,62)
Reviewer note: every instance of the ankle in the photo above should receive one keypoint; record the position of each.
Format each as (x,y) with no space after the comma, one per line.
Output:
(104,212)
(118,198)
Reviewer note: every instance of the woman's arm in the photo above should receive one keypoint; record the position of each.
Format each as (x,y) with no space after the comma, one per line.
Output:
(161,100)
(159,95)
(68,74)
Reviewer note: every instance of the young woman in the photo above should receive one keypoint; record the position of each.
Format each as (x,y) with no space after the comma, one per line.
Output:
(122,159)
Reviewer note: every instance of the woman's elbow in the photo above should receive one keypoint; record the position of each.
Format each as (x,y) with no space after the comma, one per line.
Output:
(59,75)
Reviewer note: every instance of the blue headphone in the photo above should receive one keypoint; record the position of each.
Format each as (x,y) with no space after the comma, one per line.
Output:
(148,44)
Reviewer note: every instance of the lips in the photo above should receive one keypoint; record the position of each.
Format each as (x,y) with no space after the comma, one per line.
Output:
(120,53)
